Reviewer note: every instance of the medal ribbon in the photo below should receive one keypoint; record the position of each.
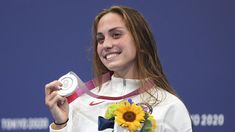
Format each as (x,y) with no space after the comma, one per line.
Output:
(89,85)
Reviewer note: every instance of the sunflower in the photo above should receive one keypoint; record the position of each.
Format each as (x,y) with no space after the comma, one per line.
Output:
(129,115)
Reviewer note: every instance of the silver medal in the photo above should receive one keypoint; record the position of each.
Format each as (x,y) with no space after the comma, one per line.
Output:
(69,84)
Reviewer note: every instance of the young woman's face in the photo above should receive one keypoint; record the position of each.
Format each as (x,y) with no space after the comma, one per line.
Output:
(116,48)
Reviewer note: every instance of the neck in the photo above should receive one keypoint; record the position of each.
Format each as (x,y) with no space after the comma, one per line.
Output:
(129,74)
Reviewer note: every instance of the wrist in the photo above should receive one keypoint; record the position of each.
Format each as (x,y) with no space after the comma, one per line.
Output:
(57,125)
(62,123)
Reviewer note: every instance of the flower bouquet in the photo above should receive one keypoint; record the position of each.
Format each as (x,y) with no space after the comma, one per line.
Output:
(130,116)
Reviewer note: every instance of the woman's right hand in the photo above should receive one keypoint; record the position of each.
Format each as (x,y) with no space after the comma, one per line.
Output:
(57,104)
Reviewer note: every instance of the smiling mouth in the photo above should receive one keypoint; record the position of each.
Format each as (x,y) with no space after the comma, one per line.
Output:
(110,56)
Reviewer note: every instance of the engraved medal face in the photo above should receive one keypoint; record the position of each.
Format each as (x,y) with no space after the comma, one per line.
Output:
(69,84)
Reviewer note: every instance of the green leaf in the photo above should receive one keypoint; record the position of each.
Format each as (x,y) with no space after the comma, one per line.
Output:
(147,126)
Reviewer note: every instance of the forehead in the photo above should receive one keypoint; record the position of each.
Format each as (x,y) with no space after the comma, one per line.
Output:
(109,21)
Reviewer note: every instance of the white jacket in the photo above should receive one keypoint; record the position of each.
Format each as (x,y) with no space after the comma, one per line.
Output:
(171,114)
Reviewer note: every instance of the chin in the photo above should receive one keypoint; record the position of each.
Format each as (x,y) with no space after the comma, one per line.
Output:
(113,67)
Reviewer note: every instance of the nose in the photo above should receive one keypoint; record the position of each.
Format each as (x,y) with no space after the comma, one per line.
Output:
(107,43)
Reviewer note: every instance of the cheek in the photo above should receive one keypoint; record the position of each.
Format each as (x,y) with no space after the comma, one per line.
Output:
(98,50)
(132,48)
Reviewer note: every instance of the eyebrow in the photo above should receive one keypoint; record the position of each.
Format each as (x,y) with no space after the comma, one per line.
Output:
(110,30)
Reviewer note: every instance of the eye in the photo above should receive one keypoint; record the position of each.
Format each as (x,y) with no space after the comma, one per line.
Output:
(116,35)
(100,38)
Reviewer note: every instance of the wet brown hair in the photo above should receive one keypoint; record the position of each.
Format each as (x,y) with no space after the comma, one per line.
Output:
(147,61)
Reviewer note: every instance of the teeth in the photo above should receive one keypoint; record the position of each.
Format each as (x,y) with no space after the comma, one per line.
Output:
(110,56)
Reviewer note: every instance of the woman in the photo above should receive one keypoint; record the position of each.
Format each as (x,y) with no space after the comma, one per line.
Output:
(125,47)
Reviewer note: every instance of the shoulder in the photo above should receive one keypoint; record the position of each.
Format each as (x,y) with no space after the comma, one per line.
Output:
(171,113)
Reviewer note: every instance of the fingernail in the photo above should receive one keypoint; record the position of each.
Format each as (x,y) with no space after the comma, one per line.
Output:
(59,88)
(62,102)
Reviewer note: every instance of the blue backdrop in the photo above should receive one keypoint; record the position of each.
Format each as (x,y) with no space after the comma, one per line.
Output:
(42,40)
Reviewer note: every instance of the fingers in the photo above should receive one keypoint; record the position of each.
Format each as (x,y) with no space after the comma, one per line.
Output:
(51,96)
(52,86)
(54,99)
